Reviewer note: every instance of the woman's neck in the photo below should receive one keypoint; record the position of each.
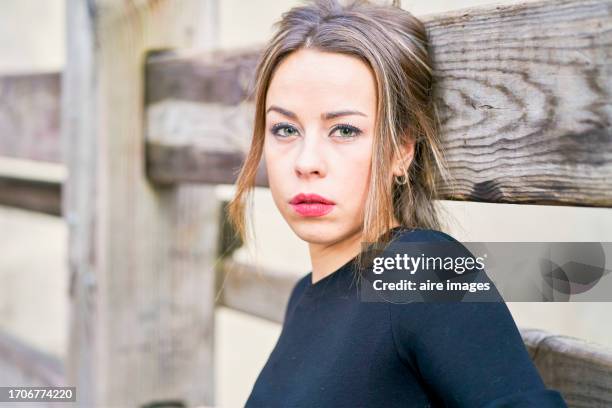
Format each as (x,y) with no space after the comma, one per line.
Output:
(326,259)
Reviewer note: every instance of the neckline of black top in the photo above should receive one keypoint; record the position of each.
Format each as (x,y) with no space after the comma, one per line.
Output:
(327,280)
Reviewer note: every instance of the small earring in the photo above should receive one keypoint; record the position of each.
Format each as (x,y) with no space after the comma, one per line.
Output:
(401,180)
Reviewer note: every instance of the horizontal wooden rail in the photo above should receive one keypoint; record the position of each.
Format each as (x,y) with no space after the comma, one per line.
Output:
(523,90)
(23,365)
(31,185)
(199,115)
(261,293)
(581,370)
(30,133)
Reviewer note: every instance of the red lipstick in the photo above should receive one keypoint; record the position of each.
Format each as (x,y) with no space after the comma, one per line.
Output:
(311,205)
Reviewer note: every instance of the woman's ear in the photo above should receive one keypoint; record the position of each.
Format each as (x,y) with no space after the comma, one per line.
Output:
(401,164)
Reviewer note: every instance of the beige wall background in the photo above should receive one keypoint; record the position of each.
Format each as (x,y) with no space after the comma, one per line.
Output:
(33,275)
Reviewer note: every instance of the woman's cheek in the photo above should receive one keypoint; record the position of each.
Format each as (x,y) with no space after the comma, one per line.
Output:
(276,181)
(362,184)
(352,185)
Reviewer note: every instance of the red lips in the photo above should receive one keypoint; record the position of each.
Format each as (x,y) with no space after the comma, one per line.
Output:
(311,205)
(309,198)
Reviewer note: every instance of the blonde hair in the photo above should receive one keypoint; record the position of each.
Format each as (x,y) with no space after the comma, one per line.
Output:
(395,45)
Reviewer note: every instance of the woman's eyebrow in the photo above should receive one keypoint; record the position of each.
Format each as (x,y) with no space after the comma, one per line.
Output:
(332,115)
(324,116)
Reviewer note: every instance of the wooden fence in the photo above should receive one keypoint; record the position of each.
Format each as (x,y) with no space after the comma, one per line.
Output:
(149,124)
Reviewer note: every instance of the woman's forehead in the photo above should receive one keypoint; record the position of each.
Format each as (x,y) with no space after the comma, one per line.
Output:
(328,80)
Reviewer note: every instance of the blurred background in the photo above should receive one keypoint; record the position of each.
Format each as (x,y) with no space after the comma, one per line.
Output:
(33,269)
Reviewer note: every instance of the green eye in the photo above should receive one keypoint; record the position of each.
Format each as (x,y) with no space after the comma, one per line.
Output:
(347,131)
(284,130)
(289,130)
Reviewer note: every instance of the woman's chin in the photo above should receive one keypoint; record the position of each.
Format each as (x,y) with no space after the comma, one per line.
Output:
(316,232)
(323,233)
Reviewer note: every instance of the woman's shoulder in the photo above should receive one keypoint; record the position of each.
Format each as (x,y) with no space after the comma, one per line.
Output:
(454,346)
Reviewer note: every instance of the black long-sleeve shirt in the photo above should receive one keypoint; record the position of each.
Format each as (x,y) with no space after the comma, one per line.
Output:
(337,351)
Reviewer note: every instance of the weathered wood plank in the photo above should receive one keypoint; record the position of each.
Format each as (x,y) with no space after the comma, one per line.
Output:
(141,257)
(31,185)
(30,116)
(33,195)
(191,163)
(23,365)
(197,129)
(526,96)
(582,371)
(523,91)
(254,291)
(214,76)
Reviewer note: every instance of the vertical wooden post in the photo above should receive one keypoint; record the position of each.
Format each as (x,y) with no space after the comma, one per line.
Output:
(140,257)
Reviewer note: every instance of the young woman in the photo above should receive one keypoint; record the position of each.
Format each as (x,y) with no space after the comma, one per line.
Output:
(346,125)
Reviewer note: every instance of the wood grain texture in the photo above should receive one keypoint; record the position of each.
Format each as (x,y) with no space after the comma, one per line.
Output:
(580,370)
(524,93)
(140,256)
(30,116)
(526,96)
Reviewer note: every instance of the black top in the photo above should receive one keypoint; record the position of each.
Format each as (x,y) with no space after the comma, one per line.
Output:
(337,351)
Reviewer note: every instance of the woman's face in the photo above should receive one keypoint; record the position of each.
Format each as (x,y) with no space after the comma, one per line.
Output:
(320,116)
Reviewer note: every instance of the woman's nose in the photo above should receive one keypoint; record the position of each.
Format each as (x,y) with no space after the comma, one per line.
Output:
(310,160)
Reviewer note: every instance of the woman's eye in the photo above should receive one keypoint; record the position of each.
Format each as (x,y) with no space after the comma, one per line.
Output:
(284,130)
(289,130)
(347,131)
